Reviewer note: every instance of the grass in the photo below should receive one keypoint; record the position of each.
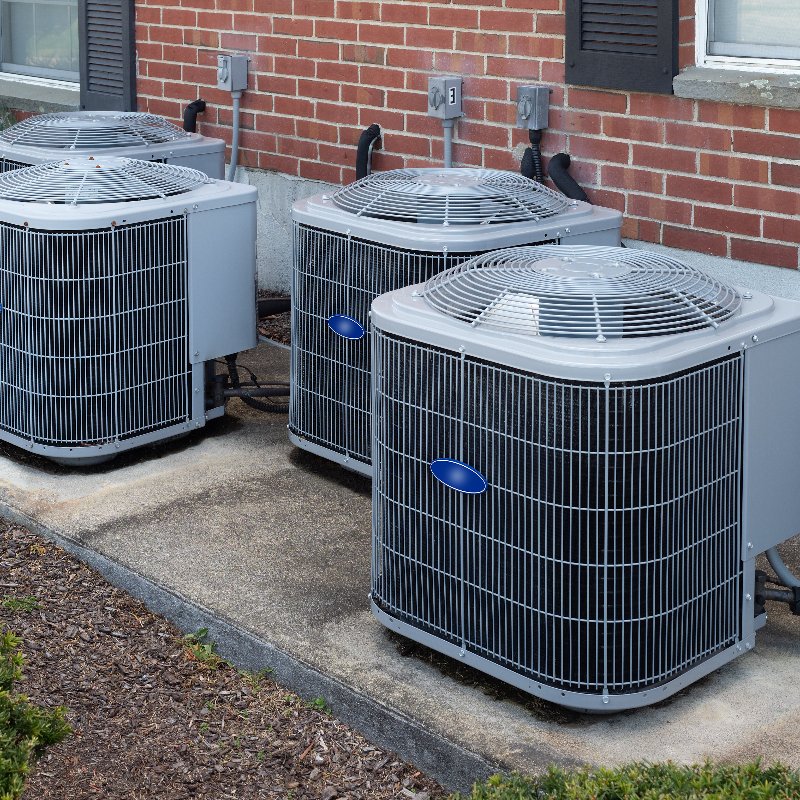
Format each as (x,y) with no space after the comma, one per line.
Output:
(11,603)
(643,781)
(25,729)
(199,649)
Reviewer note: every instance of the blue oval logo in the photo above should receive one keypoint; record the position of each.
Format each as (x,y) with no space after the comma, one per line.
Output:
(458,476)
(345,326)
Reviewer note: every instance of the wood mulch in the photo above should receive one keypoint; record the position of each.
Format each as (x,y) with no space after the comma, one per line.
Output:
(150,720)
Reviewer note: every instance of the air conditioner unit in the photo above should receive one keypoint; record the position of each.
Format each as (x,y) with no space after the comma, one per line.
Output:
(385,231)
(120,283)
(578,453)
(50,137)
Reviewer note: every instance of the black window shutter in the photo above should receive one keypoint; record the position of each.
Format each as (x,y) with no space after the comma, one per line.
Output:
(107,31)
(622,44)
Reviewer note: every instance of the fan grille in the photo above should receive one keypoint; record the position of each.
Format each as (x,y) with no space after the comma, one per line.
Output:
(81,181)
(450,197)
(81,130)
(581,291)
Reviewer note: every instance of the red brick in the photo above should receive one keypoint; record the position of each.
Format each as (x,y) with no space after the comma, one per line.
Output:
(179,17)
(363,95)
(434,38)
(786,174)
(333,29)
(334,112)
(479,133)
(518,21)
(412,13)
(479,42)
(645,230)
(381,34)
(574,121)
(215,21)
(459,63)
(512,67)
(314,170)
(252,23)
(364,54)
(302,148)
(302,67)
(273,161)
(385,161)
(606,198)
(784,120)
(628,178)
(659,208)
(732,116)
(738,169)
(777,255)
(293,106)
(238,41)
(161,69)
(599,149)
(706,191)
(766,199)
(410,145)
(689,239)
(499,159)
(358,10)
(148,15)
(536,46)
(785,230)
(502,113)
(639,130)
(766,144)
(321,89)
(697,136)
(550,23)
(553,71)
(664,158)
(381,76)
(318,131)
(409,59)
(278,45)
(276,84)
(724,221)
(313,8)
(333,71)
(598,101)
(328,51)
(660,106)
(293,27)
(447,17)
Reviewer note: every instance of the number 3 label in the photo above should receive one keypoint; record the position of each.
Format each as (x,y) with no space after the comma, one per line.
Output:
(451,96)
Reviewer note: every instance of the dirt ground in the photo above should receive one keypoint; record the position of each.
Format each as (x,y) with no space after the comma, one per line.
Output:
(157,716)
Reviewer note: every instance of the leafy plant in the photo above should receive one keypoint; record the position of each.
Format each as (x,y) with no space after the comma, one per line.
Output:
(198,648)
(255,680)
(25,729)
(643,781)
(319,704)
(20,603)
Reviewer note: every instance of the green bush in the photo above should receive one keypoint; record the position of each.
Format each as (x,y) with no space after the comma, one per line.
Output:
(643,781)
(25,730)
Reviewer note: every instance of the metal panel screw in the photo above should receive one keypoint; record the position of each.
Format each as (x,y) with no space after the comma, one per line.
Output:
(755,338)
(747,296)
(749,545)
(748,597)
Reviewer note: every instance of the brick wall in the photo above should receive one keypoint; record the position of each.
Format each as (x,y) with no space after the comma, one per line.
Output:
(711,177)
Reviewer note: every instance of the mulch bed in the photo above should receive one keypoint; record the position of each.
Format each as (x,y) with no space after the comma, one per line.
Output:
(151,720)
(278,327)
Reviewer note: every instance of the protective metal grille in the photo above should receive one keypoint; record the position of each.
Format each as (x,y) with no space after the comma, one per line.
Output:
(335,274)
(7,165)
(598,292)
(92,130)
(450,197)
(82,181)
(604,555)
(93,332)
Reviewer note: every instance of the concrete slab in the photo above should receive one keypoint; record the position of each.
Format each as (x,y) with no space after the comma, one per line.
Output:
(234,529)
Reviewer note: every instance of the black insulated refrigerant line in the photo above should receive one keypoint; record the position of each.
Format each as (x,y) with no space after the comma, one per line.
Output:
(557,170)
(531,166)
(190,115)
(366,143)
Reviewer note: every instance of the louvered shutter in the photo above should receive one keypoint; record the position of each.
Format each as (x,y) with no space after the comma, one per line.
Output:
(622,44)
(108,55)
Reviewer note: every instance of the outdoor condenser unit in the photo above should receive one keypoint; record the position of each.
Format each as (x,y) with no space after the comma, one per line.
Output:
(50,137)
(578,453)
(383,232)
(120,282)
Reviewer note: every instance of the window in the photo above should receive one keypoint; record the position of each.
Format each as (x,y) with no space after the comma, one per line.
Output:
(40,37)
(749,34)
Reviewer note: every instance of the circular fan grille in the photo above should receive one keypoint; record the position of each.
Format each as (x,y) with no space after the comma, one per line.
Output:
(92,130)
(450,197)
(580,291)
(79,181)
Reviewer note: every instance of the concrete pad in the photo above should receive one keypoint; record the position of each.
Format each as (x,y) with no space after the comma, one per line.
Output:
(269,547)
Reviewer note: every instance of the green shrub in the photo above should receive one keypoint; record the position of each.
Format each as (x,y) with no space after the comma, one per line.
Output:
(643,781)
(25,730)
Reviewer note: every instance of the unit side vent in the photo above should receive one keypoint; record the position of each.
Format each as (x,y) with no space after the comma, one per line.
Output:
(96,130)
(450,197)
(81,181)
(598,292)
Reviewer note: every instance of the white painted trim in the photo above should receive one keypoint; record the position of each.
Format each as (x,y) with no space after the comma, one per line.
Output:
(703,59)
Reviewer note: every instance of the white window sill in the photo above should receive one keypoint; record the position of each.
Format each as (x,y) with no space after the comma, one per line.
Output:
(743,87)
(28,93)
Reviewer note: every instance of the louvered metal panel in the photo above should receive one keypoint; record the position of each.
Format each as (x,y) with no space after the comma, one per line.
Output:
(94,333)
(604,557)
(622,44)
(108,70)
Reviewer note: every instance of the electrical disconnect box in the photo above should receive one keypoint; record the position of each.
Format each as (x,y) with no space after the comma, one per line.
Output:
(444,97)
(232,73)
(533,104)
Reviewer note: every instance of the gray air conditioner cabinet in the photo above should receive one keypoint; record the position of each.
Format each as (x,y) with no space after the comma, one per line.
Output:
(120,283)
(578,453)
(51,137)
(383,232)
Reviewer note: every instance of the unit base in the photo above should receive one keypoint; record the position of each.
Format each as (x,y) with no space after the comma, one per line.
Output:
(332,455)
(578,701)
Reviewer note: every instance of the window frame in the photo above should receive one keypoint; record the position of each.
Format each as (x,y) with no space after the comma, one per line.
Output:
(22,70)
